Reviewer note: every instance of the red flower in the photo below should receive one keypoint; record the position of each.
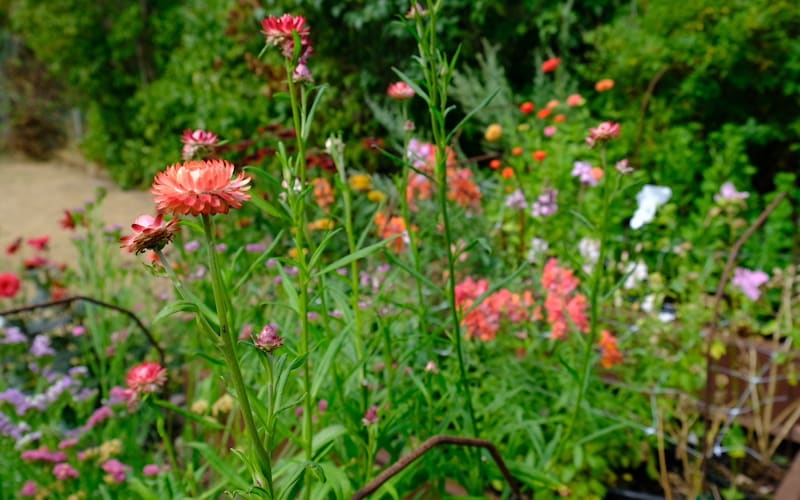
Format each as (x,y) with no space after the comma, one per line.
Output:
(13,247)
(39,243)
(544,113)
(149,234)
(200,187)
(9,285)
(146,378)
(495,164)
(551,64)
(68,222)
(539,155)
(400,91)
(527,108)
(279,32)
(35,262)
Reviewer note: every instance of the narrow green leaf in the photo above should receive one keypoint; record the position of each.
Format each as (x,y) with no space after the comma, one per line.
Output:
(257,263)
(359,254)
(411,83)
(472,113)
(174,308)
(187,414)
(220,465)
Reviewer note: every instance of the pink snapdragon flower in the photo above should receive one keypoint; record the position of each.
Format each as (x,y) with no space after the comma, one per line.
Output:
(749,281)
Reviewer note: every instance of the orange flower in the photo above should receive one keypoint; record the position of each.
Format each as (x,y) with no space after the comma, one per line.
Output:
(539,155)
(389,227)
(508,173)
(559,119)
(550,65)
(604,85)
(552,104)
(463,190)
(609,350)
(419,188)
(516,151)
(544,113)
(323,193)
(200,187)
(495,164)
(597,173)
(575,100)
(527,108)
(493,132)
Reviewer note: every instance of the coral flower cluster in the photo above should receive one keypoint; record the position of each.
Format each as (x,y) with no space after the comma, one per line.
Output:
(502,307)
(391,226)
(461,185)
(609,350)
(564,307)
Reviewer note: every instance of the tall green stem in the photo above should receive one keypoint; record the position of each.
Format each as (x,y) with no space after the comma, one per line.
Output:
(229,352)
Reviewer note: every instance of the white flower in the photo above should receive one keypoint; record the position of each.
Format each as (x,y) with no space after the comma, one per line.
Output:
(590,252)
(649,198)
(537,249)
(637,272)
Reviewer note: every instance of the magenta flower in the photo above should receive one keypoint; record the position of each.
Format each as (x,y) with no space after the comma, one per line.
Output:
(279,32)
(64,471)
(116,470)
(43,455)
(728,192)
(29,489)
(151,470)
(603,133)
(370,417)
(550,131)
(749,281)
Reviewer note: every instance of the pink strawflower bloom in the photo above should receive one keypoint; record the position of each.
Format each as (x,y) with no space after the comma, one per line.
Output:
(151,470)
(749,281)
(728,192)
(400,91)
(550,131)
(200,187)
(146,378)
(603,133)
(67,443)
(149,233)
(39,243)
(370,417)
(268,340)
(575,100)
(29,489)
(116,395)
(279,32)
(116,470)
(196,141)
(101,414)
(301,73)
(64,471)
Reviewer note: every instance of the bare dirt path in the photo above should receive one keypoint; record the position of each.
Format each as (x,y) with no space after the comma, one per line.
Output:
(34,195)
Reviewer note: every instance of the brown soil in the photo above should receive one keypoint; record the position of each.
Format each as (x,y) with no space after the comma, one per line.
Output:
(35,195)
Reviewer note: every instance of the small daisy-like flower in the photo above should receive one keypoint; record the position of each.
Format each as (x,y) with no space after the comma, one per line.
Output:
(200,187)
(279,32)
(603,133)
(146,378)
(400,91)
(149,233)
(195,141)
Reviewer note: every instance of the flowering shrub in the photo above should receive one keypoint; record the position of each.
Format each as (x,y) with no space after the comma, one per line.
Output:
(308,322)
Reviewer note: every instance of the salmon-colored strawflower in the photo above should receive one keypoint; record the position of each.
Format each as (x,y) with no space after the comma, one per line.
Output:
(149,234)
(575,100)
(603,133)
(527,108)
(604,85)
(146,378)
(507,173)
(279,32)
(551,64)
(200,187)
(400,91)
(463,190)
(609,350)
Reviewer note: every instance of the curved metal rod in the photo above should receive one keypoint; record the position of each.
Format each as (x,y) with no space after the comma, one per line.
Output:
(425,447)
(81,298)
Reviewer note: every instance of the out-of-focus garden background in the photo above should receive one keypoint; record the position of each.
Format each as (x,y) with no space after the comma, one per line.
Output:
(642,343)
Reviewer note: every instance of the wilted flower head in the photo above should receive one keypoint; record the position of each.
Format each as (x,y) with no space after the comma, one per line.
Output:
(728,192)
(415,11)
(649,198)
(400,91)
(200,187)
(279,32)
(749,281)
(301,73)
(146,378)
(370,417)
(603,133)
(197,141)
(149,234)
(268,340)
